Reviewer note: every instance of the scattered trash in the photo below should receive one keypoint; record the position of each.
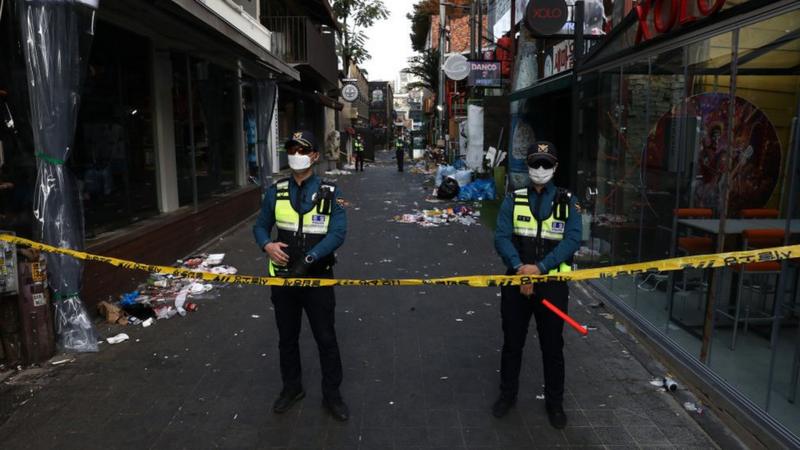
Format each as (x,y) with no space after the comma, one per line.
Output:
(112,313)
(608,316)
(692,407)
(540,397)
(460,214)
(62,361)
(443,378)
(597,305)
(122,337)
(148,322)
(338,172)
(670,385)
(459,320)
(255,316)
(620,327)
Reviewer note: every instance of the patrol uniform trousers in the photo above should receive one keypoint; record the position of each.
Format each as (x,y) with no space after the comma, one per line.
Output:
(360,161)
(399,153)
(516,311)
(319,304)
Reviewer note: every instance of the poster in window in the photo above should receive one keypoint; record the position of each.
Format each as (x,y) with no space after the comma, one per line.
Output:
(755,152)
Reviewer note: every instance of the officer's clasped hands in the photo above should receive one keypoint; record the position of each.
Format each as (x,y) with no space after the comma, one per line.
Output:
(276,254)
(527,269)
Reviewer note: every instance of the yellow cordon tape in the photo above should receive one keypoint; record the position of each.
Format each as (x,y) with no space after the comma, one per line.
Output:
(663,265)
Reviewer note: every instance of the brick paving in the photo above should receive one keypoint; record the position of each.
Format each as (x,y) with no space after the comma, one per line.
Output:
(416,377)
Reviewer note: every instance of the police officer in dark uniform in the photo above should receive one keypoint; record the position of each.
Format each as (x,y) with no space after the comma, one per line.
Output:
(311,226)
(538,231)
(358,149)
(399,151)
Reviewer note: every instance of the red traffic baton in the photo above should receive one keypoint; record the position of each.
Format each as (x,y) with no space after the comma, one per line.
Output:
(579,328)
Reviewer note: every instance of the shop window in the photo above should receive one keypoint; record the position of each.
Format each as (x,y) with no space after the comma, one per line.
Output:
(113,155)
(764,113)
(204,102)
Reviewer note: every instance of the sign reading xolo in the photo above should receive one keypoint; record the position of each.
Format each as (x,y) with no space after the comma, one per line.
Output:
(546,17)
(662,16)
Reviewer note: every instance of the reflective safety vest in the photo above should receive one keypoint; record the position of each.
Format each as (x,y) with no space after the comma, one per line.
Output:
(534,238)
(358,146)
(399,144)
(303,232)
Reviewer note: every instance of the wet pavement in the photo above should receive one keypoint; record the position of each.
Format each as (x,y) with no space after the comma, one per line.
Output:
(421,363)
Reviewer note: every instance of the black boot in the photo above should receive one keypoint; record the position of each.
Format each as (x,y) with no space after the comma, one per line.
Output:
(503,405)
(287,399)
(336,406)
(556,416)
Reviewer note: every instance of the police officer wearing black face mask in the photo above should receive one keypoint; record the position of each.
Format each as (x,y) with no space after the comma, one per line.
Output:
(311,226)
(538,231)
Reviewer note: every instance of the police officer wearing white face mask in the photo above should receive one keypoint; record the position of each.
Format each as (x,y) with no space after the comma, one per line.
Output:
(311,226)
(538,232)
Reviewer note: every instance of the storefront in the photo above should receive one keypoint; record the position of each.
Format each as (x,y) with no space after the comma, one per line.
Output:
(688,144)
(165,150)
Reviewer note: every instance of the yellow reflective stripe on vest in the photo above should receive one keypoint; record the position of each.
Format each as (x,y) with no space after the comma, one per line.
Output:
(287,219)
(525,223)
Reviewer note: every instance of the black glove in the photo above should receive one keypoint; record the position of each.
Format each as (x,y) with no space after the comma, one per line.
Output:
(300,268)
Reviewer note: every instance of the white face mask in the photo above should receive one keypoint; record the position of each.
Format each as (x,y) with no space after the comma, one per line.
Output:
(541,175)
(299,162)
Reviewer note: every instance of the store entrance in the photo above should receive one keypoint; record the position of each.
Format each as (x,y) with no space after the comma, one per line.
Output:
(551,118)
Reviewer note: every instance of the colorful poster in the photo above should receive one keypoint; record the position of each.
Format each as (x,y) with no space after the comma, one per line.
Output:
(755,152)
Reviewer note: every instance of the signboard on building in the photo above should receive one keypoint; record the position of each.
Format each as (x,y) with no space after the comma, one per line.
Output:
(561,58)
(350,92)
(657,17)
(484,74)
(546,17)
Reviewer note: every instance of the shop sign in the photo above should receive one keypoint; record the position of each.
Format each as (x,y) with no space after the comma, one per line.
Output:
(662,16)
(546,17)
(484,74)
(561,57)
(350,92)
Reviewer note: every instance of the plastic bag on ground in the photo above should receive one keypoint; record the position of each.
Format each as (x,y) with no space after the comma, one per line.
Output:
(448,190)
(463,177)
(443,172)
(480,189)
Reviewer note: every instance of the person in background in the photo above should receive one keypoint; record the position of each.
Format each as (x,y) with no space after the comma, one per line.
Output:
(358,149)
(399,151)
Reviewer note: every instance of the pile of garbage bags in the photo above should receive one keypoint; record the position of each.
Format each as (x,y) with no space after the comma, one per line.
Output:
(455,182)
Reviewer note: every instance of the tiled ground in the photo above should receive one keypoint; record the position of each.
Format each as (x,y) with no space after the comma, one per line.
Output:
(415,377)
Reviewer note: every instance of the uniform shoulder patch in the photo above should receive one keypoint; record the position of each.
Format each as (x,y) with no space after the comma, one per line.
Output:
(281,181)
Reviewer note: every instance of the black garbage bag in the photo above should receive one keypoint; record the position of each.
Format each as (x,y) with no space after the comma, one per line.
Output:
(448,190)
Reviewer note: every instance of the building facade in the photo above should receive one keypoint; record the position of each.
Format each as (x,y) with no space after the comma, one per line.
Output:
(678,130)
(165,142)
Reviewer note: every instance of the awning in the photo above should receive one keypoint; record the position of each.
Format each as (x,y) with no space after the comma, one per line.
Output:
(322,99)
(556,83)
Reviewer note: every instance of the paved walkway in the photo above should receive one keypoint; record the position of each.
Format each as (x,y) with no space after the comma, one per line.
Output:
(420,363)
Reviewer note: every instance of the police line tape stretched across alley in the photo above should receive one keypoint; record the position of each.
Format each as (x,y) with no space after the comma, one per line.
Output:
(663,265)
